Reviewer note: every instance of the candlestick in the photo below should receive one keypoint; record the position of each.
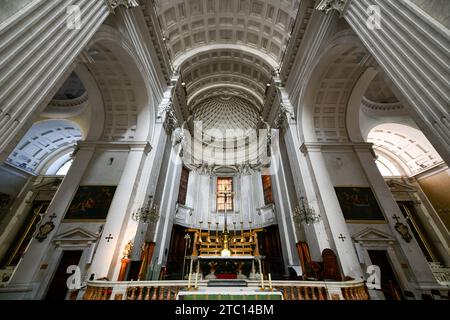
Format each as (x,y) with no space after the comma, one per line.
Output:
(270,282)
(196,281)
(217,232)
(209,231)
(189,281)
(262,281)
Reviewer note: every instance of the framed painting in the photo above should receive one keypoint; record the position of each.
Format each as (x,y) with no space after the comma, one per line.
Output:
(359,204)
(91,203)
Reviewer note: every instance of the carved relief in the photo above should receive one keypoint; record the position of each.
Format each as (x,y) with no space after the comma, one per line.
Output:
(328,5)
(113,4)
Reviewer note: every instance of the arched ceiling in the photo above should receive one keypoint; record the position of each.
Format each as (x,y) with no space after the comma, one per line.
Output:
(333,93)
(380,92)
(70,100)
(226,45)
(406,144)
(263,25)
(42,141)
(118,88)
(227,68)
(72,88)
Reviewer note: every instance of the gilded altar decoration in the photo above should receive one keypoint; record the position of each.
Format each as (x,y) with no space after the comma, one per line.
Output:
(127,250)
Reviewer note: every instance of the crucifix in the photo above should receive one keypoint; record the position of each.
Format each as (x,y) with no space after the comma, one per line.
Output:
(225,193)
(226,235)
(110,237)
(396,218)
(342,237)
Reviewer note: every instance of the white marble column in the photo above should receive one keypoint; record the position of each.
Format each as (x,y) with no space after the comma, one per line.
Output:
(341,237)
(138,232)
(412,49)
(28,268)
(412,252)
(167,205)
(37,49)
(316,234)
(108,251)
(284,207)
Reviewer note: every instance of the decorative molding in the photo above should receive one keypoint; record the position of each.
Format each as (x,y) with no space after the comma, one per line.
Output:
(75,236)
(374,236)
(326,6)
(114,4)
(331,146)
(382,109)
(115,146)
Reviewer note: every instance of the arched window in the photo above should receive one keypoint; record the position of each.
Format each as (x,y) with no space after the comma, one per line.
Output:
(62,171)
(386,167)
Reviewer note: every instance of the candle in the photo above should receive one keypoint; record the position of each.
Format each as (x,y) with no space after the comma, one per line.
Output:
(209,231)
(196,281)
(262,281)
(270,282)
(189,281)
(241,212)
(217,232)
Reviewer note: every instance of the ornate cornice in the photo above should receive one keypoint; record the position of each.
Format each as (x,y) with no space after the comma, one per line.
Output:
(327,6)
(379,109)
(114,4)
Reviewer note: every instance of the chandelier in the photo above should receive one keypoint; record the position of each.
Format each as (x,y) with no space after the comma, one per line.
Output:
(148,213)
(303,213)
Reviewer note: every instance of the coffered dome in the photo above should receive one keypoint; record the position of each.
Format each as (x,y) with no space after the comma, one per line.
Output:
(227,114)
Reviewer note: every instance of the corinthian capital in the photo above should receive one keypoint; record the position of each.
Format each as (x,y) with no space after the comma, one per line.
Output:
(328,5)
(113,4)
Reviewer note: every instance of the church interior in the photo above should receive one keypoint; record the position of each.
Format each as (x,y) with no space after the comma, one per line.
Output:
(224,149)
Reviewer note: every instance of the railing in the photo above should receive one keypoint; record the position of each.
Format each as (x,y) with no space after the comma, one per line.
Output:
(168,290)
(441,274)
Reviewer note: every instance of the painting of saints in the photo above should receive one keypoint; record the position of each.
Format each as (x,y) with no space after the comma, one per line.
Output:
(91,202)
(359,203)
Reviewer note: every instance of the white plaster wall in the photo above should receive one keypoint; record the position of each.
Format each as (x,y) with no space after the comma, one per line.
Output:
(100,172)
(345,169)
(248,199)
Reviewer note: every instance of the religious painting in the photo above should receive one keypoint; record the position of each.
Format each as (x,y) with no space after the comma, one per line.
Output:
(91,203)
(359,204)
